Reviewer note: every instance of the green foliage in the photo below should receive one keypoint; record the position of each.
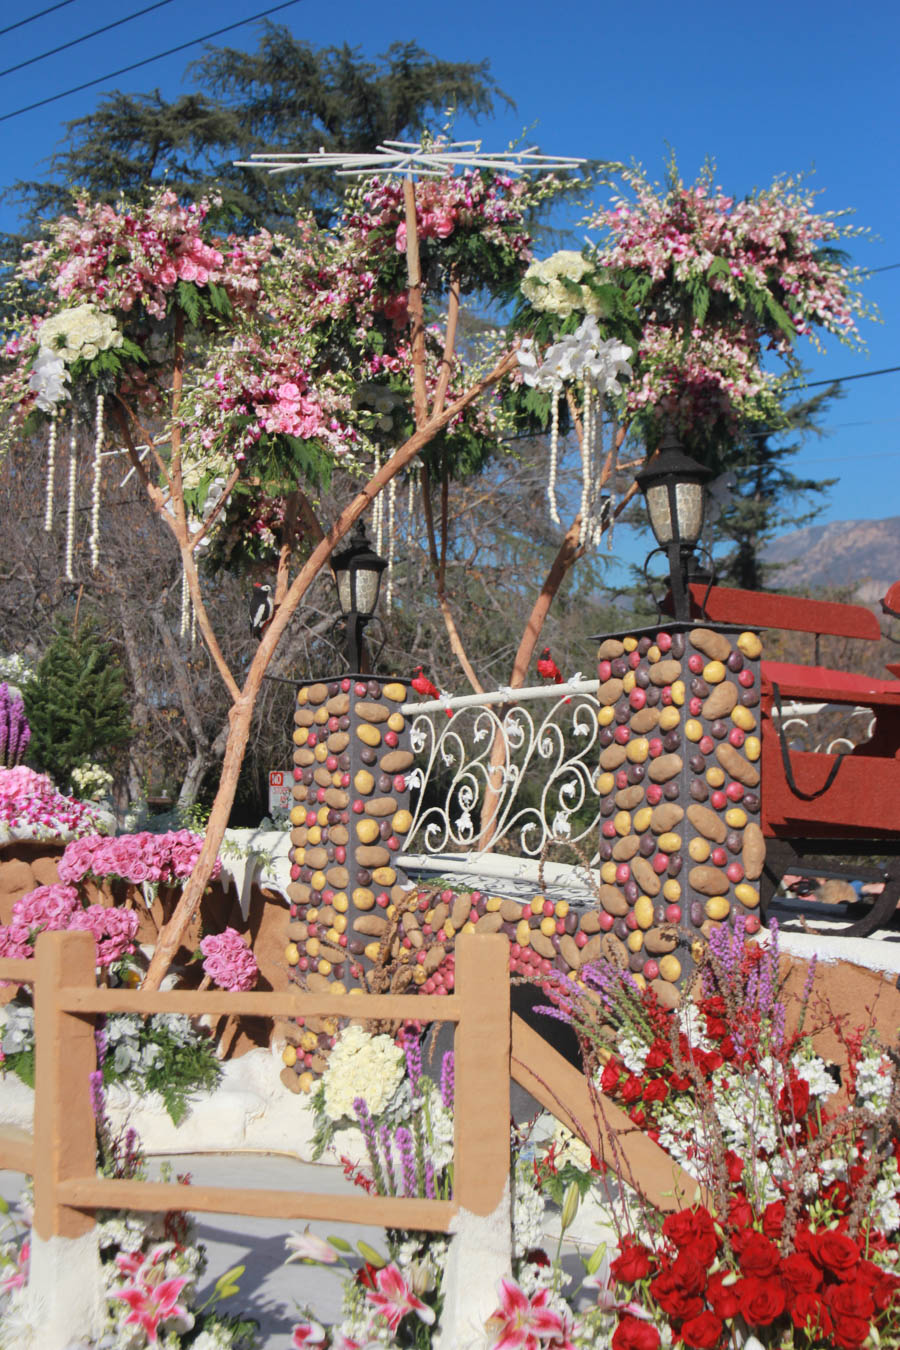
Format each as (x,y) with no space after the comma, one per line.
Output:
(285,94)
(177,1064)
(76,703)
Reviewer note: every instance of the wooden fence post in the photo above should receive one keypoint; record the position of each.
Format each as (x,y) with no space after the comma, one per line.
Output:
(481,1245)
(64,1283)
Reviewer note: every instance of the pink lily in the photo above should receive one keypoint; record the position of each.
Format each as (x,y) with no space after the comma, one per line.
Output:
(393,1298)
(16,1278)
(521,1323)
(152,1304)
(307,1333)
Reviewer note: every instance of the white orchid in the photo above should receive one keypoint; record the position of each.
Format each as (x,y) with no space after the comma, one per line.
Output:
(48,380)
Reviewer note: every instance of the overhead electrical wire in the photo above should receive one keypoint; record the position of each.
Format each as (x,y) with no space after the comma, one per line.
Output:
(135,65)
(74,42)
(31,17)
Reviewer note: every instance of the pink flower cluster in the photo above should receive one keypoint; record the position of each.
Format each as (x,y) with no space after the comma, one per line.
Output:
(49,907)
(133,857)
(114,929)
(229,961)
(772,240)
(120,256)
(30,802)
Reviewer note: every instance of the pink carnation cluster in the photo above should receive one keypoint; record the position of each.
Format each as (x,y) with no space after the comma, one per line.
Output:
(114,930)
(229,961)
(133,857)
(29,801)
(120,256)
(49,907)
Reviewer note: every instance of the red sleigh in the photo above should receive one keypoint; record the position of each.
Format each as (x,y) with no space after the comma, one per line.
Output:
(816,805)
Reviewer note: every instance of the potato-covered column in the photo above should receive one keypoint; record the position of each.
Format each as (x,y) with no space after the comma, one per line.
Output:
(681,847)
(352,810)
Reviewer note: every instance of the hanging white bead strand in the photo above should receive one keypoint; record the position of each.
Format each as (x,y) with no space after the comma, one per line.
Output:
(51,475)
(392,517)
(378,510)
(95,486)
(70,513)
(554,455)
(586,451)
(185,604)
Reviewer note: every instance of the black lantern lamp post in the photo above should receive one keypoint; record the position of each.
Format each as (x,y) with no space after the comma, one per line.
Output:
(357,573)
(673,487)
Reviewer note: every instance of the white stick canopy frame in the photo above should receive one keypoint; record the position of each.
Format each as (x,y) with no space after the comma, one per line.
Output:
(432,159)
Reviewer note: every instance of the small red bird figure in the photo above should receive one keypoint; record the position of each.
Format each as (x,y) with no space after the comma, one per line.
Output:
(548,669)
(422,685)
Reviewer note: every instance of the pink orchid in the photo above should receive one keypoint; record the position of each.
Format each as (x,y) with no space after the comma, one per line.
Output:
(17,1275)
(307,1333)
(521,1323)
(393,1298)
(152,1304)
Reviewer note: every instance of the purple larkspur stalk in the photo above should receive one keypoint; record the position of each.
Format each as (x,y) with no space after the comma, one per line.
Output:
(413,1063)
(101,1040)
(407,1160)
(17,724)
(447,1080)
(778,1025)
(429,1181)
(98,1095)
(387,1152)
(4,723)
(367,1126)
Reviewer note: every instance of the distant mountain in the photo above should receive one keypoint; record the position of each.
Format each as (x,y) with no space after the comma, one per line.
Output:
(863,554)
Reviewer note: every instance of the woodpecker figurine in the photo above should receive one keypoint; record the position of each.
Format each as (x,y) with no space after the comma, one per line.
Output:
(262,607)
(422,685)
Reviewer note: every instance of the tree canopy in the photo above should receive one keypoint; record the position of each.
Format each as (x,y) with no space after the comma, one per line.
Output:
(286,95)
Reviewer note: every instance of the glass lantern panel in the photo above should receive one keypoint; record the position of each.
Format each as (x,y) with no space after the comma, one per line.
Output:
(345,593)
(658,509)
(367,590)
(689,508)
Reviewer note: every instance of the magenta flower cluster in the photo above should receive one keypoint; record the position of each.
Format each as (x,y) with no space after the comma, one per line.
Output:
(155,858)
(229,962)
(114,929)
(46,907)
(29,803)
(15,733)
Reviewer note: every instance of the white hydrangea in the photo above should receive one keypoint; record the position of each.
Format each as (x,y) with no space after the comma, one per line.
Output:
(79,333)
(544,285)
(361,1065)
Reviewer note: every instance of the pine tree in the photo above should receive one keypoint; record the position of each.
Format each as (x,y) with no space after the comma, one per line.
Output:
(768,498)
(286,95)
(76,703)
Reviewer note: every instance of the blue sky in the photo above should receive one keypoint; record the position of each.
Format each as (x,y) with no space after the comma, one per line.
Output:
(765,89)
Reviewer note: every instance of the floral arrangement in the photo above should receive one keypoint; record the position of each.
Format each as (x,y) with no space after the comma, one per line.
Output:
(159,859)
(228,961)
(15,733)
(92,781)
(406,1122)
(31,808)
(150,1265)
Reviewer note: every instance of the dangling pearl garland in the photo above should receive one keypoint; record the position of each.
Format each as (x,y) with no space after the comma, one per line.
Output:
(612,485)
(51,472)
(555,395)
(185,604)
(584,533)
(70,516)
(95,489)
(378,510)
(392,515)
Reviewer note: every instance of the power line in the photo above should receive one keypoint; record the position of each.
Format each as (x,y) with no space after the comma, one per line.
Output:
(31,18)
(135,65)
(842,379)
(64,46)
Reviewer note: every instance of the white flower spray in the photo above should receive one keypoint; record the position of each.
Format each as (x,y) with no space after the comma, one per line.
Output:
(95,486)
(70,514)
(51,475)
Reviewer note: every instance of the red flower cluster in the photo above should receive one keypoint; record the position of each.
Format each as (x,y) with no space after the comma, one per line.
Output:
(826,1288)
